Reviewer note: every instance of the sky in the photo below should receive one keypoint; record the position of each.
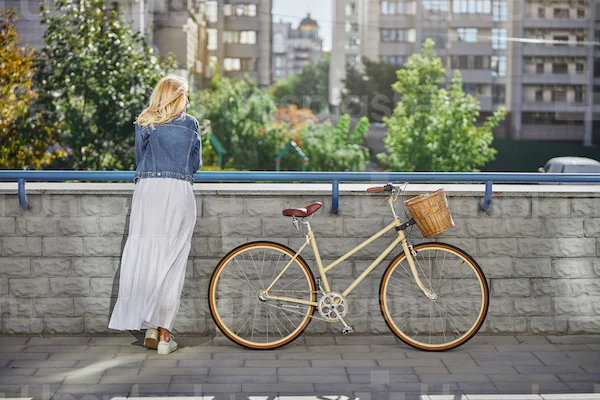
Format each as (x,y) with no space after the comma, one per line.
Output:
(294,10)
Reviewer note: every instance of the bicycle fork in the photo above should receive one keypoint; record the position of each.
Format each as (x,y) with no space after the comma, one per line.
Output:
(410,257)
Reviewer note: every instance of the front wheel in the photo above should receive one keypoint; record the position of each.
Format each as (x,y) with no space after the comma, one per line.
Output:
(452,315)
(239,306)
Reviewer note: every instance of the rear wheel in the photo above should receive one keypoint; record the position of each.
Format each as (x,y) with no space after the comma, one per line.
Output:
(457,308)
(237,303)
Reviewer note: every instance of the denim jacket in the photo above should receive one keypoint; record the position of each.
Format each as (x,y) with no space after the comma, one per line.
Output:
(171,150)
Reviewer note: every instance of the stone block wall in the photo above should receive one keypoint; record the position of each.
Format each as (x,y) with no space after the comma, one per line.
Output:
(59,264)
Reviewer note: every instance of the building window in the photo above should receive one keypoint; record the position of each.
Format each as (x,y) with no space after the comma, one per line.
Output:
(559,95)
(211,39)
(353,60)
(541,12)
(560,68)
(460,62)
(232,64)
(468,35)
(560,40)
(499,10)
(552,118)
(579,94)
(471,6)
(239,10)
(397,7)
(212,11)
(596,67)
(580,68)
(435,5)
(239,64)
(498,39)
(399,60)
(539,68)
(353,42)
(478,62)
(279,62)
(539,95)
(498,94)
(239,37)
(350,9)
(469,88)
(596,94)
(560,13)
(351,27)
(498,66)
(279,42)
(397,35)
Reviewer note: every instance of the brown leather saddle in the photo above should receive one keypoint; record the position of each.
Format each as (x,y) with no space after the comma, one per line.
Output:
(302,211)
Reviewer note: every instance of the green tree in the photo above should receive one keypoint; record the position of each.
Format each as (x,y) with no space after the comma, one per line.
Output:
(435,129)
(242,117)
(335,148)
(308,89)
(23,142)
(97,75)
(368,92)
(247,122)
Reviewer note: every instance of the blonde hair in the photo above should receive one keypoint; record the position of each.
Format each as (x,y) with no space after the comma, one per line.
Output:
(168,100)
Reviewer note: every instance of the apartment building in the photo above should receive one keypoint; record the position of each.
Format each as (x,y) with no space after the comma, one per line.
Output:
(179,28)
(175,26)
(295,48)
(239,38)
(535,57)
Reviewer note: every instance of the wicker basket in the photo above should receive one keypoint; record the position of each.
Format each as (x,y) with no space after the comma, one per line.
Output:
(431,212)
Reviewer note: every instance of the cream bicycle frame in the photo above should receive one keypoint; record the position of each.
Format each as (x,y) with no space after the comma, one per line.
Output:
(401,239)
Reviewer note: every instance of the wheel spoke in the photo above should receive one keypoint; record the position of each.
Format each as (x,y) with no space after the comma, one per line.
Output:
(236,299)
(441,322)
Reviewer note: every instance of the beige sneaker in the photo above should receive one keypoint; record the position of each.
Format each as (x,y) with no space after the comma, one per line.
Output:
(165,348)
(151,338)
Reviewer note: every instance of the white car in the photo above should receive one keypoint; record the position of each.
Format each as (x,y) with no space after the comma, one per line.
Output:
(571,165)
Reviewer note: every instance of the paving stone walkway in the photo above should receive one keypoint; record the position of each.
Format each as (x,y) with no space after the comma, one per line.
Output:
(365,367)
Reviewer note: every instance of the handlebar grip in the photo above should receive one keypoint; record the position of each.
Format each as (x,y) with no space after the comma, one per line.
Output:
(376,189)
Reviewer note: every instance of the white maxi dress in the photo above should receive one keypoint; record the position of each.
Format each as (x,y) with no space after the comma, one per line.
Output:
(154,259)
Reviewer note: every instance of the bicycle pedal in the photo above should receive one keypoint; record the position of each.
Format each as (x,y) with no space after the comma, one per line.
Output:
(347,330)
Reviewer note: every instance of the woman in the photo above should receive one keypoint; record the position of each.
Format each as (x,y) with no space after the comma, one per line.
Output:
(163,214)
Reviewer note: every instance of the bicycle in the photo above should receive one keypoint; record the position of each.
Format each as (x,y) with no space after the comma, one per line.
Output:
(263,295)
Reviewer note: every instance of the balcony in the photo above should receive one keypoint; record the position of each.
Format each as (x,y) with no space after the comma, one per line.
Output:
(482,21)
(553,132)
(242,23)
(549,106)
(556,79)
(241,50)
(531,49)
(464,48)
(564,23)
(397,21)
(396,48)
(472,75)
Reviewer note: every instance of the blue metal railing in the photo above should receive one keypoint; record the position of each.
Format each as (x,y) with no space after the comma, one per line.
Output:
(488,178)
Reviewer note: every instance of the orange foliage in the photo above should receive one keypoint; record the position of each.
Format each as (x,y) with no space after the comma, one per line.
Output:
(295,116)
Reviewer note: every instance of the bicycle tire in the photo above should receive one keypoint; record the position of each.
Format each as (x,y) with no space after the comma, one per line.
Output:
(212,301)
(383,302)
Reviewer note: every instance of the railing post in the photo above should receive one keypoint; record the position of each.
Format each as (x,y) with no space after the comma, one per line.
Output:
(487,199)
(22,195)
(335,196)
